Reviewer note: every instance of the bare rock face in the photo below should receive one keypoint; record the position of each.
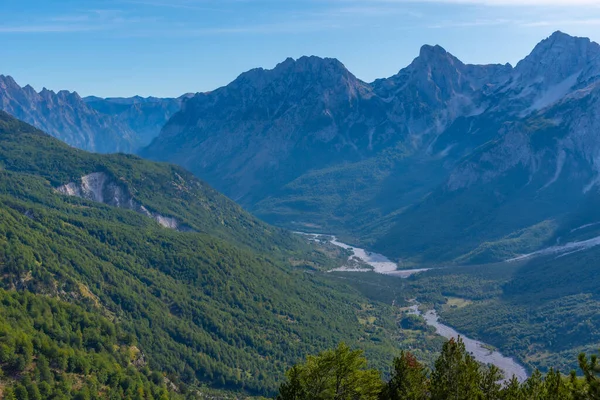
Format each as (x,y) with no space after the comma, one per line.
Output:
(93,124)
(101,188)
(556,67)
(551,114)
(269,126)
(557,58)
(531,157)
(65,116)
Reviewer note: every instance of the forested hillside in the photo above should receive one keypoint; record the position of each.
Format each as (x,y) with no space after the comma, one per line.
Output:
(543,311)
(226,300)
(50,349)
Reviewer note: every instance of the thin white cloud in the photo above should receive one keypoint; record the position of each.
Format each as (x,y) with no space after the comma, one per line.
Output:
(516,22)
(373,11)
(185,5)
(86,21)
(47,28)
(206,3)
(70,18)
(565,3)
(563,22)
(474,23)
(329,15)
(296,27)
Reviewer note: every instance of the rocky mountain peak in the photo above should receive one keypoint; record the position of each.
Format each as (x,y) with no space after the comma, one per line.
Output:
(434,57)
(46,93)
(69,96)
(436,75)
(270,129)
(7,82)
(309,79)
(315,69)
(314,63)
(29,90)
(433,54)
(66,115)
(558,58)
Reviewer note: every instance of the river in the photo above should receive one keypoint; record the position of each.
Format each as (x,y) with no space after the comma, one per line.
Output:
(479,350)
(383,265)
(380,263)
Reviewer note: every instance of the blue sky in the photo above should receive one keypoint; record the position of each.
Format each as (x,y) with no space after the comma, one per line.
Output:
(169,47)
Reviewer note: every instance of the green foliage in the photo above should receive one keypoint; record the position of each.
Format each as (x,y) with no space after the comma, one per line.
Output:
(332,375)
(541,311)
(488,210)
(523,241)
(162,188)
(456,376)
(55,350)
(408,381)
(343,199)
(590,371)
(449,204)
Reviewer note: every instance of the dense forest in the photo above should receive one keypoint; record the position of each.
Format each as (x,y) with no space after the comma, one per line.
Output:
(343,374)
(50,349)
(228,303)
(542,311)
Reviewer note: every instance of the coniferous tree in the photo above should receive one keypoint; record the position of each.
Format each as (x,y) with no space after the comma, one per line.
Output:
(21,392)
(293,388)
(489,384)
(513,390)
(590,371)
(578,387)
(341,375)
(9,394)
(456,375)
(408,381)
(555,387)
(533,387)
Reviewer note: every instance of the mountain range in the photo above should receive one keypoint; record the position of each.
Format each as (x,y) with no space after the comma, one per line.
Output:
(395,165)
(442,162)
(91,123)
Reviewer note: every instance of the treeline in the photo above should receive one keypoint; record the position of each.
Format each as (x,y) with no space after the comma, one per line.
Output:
(342,374)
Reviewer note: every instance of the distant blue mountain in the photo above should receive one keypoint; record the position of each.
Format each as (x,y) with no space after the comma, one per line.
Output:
(93,124)
(442,162)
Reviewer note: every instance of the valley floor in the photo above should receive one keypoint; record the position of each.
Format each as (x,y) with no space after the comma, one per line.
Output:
(518,307)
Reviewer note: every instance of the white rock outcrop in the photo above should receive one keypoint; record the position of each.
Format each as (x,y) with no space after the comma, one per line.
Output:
(102,188)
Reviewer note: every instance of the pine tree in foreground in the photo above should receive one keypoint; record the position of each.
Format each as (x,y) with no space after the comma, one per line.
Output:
(342,374)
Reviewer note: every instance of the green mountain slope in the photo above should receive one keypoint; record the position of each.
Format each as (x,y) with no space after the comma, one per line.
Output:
(51,349)
(217,303)
(543,311)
